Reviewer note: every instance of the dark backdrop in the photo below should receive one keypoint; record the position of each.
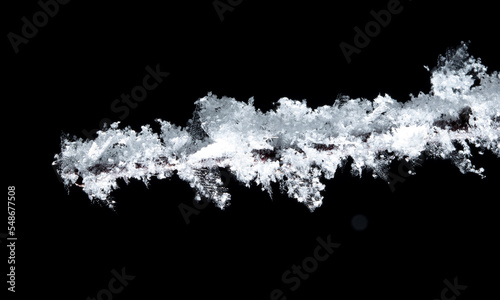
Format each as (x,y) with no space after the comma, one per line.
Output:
(438,225)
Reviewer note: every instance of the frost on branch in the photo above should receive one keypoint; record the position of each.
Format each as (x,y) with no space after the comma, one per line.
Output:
(295,145)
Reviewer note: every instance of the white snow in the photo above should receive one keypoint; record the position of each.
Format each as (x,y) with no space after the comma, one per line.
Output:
(295,145)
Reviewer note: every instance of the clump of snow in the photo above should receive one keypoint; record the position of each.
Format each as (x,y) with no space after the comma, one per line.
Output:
(295,145)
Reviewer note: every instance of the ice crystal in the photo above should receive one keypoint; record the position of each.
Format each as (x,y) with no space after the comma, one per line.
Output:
(295,145)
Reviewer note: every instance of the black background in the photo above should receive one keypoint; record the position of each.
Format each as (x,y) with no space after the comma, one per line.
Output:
(437,225)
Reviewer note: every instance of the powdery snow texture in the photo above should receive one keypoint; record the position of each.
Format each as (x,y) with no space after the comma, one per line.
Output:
(296,145)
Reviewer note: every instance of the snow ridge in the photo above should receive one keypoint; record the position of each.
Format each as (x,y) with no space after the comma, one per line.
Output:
(295,145)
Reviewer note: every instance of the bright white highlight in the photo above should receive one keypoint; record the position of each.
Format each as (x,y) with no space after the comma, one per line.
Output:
(296,145)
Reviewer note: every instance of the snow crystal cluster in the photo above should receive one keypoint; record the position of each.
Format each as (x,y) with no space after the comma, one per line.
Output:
(295,145)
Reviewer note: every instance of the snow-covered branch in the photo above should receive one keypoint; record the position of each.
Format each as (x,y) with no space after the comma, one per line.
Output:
(295,145)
